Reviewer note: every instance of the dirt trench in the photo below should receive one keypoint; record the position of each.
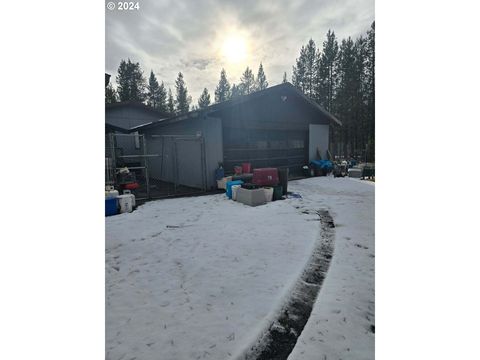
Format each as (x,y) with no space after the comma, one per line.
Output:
(281,337)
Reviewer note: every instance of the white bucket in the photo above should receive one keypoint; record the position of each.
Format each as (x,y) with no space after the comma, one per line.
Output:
(111,194)
(268,193)
(126,203)
(128,192)
(234,191)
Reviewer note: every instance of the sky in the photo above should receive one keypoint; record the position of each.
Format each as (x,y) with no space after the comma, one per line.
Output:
(200,37)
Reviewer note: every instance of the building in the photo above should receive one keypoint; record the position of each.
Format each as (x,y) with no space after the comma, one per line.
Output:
(275,127)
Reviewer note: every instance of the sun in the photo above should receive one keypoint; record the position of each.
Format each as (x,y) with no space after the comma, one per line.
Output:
(234,48)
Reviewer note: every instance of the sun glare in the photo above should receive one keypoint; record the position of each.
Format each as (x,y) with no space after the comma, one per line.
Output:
(235,49)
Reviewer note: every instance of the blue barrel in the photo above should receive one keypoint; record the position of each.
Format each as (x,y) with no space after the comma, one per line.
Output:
(111,207)
(229,187)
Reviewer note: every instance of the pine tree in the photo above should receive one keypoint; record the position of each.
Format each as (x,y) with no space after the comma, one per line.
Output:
(110,95)
(152,90)
(162,98)
(170,102)
(204,99)
(304,72)
(182,99)
(284,78)
(222,91)
(370,91)
(131,83)
(247,82)
(236,91)
(261,82)
(327,72)
(347,92)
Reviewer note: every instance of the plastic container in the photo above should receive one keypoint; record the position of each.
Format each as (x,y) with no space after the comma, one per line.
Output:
(229,187)
(234,191)
(265,176)
(222,183)
(219,174)
(283,178)
(109,194)
(246,168)
(111,206)
(268,193)
(128,192)
(125,203)
(277,192)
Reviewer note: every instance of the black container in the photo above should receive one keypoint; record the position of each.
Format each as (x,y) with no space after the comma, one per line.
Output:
(283,179)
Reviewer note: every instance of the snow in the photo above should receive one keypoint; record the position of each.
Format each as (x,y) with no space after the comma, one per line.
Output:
(202,277)
(339,326)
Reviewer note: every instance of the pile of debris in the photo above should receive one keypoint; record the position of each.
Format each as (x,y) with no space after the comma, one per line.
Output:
(255,187)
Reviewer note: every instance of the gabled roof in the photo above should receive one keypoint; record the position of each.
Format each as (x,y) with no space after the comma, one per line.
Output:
(236,101)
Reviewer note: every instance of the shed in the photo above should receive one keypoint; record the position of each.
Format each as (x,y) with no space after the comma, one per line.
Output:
(275,127)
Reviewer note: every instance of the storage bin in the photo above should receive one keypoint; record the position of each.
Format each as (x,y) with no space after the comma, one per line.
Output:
(246,168)
(265,176)
(228,191)
(268,193)
(283,179)
(277,192)
(111,206)
(251,197)
(222,183)
(234,191)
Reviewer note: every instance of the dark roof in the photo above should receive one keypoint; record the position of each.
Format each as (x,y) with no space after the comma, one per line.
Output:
(239,100)
(111,127)
(138,105)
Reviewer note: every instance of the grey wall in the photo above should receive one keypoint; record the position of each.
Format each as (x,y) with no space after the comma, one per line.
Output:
(189,152)
(318,139)
(127,117)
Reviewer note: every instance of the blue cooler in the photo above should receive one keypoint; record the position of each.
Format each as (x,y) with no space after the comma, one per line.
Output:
(111,206)
(229,187)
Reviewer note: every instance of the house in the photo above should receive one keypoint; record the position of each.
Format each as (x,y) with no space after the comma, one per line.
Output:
(275,127)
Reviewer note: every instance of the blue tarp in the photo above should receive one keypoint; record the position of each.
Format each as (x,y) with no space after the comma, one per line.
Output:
(325,165)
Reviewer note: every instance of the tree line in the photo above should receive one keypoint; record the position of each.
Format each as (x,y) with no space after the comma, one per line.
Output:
(132,86)
(339,76)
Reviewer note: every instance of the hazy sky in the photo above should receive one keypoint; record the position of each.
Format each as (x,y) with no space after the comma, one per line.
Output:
(199,37)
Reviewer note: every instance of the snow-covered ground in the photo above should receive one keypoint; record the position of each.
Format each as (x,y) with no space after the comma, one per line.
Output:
(200,277)
(340,324)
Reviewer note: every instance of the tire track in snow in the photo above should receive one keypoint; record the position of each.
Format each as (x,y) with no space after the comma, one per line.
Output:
(278,341)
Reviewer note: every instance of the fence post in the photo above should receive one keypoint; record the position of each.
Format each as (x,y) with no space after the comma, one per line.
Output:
(145,159)
(114,158)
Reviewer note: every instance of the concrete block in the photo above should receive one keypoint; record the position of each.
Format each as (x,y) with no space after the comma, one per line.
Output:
(251,197)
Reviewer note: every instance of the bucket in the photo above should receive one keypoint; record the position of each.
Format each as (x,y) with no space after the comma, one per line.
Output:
(228,191)
(111,206)
(234,191)
(111,194)
(128,192)
(126,203)
(246,168)
(277,192)
(268,193)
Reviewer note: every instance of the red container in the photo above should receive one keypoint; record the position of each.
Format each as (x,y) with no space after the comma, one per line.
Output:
(237,170)
(265,177)
(247,168)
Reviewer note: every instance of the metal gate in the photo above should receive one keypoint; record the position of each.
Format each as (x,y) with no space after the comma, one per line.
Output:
(170,166)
